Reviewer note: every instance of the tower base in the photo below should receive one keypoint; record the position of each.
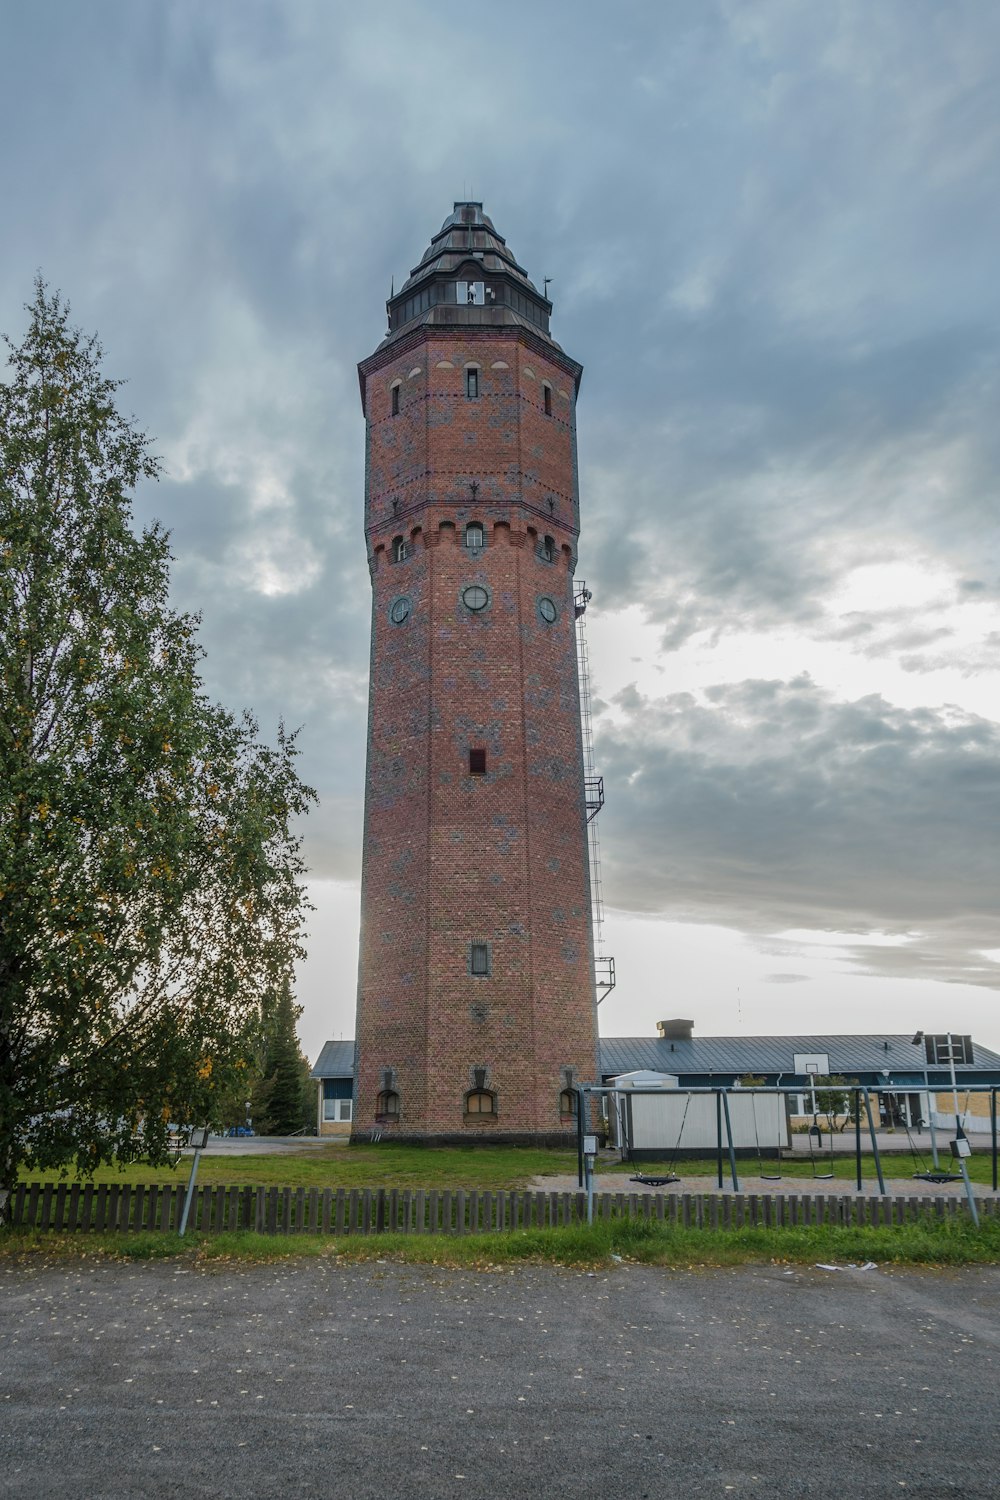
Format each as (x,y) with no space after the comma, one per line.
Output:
(557,1140)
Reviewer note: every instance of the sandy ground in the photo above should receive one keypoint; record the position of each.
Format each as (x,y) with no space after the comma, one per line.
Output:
(898,1185)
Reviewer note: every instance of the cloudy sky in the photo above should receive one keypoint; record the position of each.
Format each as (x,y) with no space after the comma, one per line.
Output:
(773,233)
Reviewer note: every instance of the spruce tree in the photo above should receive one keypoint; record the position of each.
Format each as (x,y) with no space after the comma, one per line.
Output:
(285,1096)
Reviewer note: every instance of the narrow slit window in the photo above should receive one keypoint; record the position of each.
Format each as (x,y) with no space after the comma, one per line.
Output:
(395,400)
(477,762)
(472,384)
(547,398)
(479,960)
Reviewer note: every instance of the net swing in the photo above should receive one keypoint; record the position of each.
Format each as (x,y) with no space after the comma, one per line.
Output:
(764,1176)
(925,1173)
(662,1179)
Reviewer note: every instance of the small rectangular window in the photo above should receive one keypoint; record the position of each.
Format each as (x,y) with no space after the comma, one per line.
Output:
(395,400)
(477,762)
(479,959)
(547,394)
(472,384)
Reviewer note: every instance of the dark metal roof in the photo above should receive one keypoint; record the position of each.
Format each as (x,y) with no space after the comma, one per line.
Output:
(770,1055)
(721,1056)
(467,229)
(335,1061)
(468,248)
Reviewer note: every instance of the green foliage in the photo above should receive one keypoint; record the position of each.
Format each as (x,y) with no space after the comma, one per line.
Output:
(833,1099)
(150,893)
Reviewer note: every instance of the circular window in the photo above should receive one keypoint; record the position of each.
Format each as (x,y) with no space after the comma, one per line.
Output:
(399,610)
(547,609)
(475,597)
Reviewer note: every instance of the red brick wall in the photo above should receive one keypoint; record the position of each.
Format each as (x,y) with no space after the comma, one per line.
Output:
(451,858)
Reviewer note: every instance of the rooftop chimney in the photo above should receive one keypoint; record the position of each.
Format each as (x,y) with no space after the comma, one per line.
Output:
(675,1031)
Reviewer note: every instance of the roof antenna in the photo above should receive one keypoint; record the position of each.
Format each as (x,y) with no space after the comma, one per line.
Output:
(545,287)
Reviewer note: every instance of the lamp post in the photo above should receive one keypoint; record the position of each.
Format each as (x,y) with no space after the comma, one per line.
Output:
(917,1040)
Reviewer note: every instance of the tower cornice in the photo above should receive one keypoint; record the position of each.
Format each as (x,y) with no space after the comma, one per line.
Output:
(425,333)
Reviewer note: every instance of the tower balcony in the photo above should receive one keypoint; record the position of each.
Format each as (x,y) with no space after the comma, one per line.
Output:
(594,793)
(604,976)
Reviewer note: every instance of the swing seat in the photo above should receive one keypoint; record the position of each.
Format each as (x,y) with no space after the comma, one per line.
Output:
(822,1177)
(937,1176)
(770,1176)
(654,1181)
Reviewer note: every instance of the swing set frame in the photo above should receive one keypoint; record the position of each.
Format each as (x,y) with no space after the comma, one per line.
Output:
(725,1146)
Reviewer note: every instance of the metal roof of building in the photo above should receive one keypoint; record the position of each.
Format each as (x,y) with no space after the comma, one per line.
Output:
(709,1055)
(335,1061)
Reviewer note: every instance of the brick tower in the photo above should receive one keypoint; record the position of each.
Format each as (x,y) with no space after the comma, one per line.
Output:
(476,993)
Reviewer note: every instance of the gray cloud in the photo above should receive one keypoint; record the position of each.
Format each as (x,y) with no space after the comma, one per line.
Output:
(770,805)
(772,233)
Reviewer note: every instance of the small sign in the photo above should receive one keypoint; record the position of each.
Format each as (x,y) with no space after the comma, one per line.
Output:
(590,1145)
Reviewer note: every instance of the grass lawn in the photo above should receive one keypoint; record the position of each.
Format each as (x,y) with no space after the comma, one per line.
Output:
(946,1243)
(352,1166)
(491,1167)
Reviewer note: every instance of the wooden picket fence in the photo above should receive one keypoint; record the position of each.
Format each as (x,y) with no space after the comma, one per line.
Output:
(86,1207)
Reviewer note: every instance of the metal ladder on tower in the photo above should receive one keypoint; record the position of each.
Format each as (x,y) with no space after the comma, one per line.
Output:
(604,964)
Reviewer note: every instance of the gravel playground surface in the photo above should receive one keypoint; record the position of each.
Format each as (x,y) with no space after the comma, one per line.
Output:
(620,1182)
(317,1378)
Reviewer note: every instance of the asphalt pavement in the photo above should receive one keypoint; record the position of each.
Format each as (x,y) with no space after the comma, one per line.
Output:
(317,1378)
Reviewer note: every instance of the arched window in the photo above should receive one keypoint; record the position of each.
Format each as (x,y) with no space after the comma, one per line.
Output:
(547,551)
(387,1107)
(567,1103)
(475,536)
(480,1102)
(398,549)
